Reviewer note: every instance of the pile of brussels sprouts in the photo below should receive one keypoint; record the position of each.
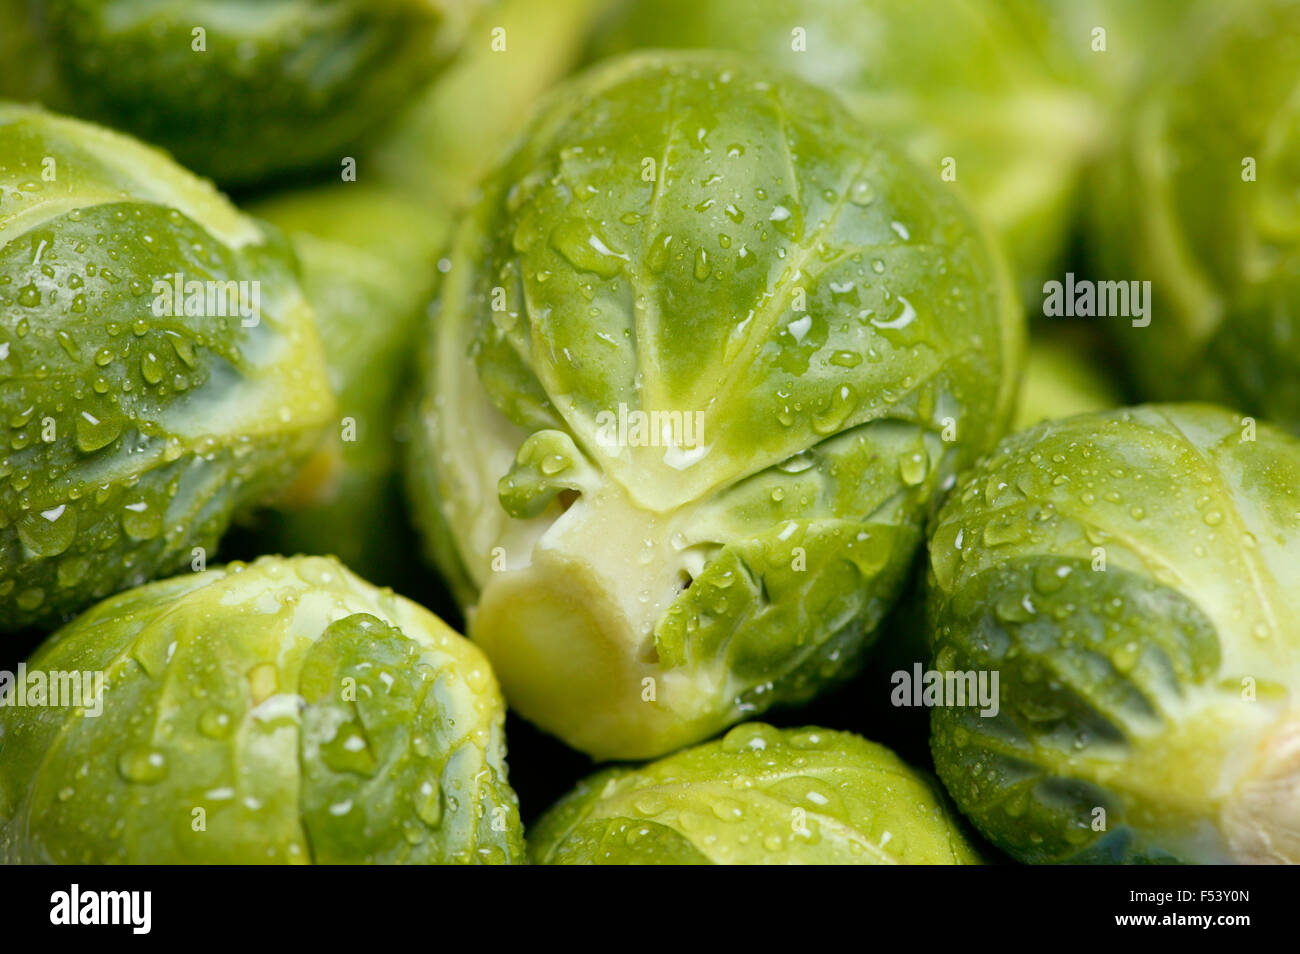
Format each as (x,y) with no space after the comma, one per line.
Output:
(695,358)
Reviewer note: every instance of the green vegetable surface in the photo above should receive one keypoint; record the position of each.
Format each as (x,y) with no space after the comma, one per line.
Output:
(236,90)
(1061,378)
(758,795)
(1134,577)
(137,420)
(984,94)
(369,263)
(679,353)
(688,235)
(515,50)
(282,711)
(1203,201)
(1120,44)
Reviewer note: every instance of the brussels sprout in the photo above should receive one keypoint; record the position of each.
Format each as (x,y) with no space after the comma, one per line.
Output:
(283,711)
(238,91)
(1204,202)
(688,235)
(159,366)
(1060,380)
(1134,577)
(981,91)
(368,258)
(758,795)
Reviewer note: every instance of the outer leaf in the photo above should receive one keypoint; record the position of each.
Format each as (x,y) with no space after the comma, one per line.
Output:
(758,795)
(133,437)
(980,90)
(1201,201)
(1132,577)
(283,711)
(243,92)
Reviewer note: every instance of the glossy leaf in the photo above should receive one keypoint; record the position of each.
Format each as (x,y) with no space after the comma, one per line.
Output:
(815,338)
(1132,577)
(758,795)
(283,711)
(136,420)
(237,91)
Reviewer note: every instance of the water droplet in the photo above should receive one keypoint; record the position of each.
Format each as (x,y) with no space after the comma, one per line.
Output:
(657,257)
(750,737)
(30,599)
(702,268)
(831,418)
(584,249)
(428,805)
(141,521)
(263,681)
(1125,657)
(215,723)
(48,533)
(913,467)
(798,463)
(846,359)
(184,350)
(1051,579)
(553,464)
(142,765)
(71,571)
(649,804)
(151,367)
(68,345)
(844,293)
(903,317)
(862,192)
